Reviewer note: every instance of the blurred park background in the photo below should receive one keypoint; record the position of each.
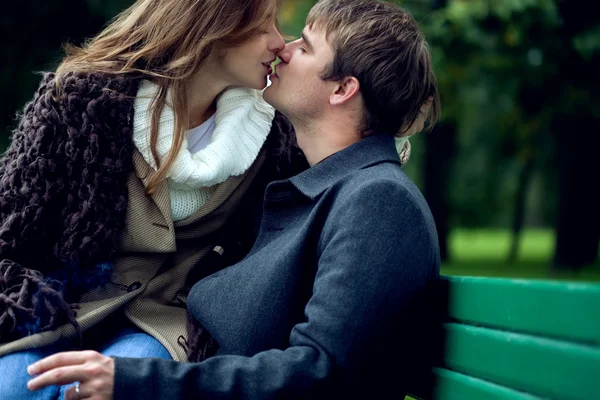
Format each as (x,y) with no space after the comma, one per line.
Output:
(510,172)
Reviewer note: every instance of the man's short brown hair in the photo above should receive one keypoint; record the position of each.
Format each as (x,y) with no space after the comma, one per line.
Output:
(381,45)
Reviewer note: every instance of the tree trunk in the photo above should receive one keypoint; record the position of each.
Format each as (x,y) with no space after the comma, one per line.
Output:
(439,149)
(520,203)
(578,222)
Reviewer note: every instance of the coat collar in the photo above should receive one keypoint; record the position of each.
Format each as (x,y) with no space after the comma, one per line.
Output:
(150,227)
(161,195)
(374,149)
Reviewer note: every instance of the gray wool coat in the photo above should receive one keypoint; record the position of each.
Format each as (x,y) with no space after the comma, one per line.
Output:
(325,304)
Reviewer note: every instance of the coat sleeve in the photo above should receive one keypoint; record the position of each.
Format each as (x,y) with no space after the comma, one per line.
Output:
(376,252)
(31,181)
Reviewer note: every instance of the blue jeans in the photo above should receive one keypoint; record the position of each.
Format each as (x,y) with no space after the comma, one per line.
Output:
(128,342)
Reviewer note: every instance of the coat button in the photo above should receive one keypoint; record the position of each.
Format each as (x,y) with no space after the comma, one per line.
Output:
(134,286)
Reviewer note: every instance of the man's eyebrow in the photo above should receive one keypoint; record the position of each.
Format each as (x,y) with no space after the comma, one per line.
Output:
(308,44)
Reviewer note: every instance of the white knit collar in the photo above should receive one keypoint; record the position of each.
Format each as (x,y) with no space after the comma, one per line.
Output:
(242,122)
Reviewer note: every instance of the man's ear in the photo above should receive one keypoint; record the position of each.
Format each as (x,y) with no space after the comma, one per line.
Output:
(345,90)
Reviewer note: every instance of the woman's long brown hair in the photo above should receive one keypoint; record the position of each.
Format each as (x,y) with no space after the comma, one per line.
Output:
(167,41)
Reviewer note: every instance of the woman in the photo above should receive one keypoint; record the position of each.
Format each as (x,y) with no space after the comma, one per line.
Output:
(137,168)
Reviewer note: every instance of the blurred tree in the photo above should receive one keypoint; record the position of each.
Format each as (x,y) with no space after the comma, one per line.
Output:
(502,68)
(292,15)
(33,33)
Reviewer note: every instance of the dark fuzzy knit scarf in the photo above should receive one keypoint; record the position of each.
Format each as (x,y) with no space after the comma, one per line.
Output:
(63,197)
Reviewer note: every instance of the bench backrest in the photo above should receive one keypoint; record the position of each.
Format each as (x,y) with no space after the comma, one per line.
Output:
(518,339)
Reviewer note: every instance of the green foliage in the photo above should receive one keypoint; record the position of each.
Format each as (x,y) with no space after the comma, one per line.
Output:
(293,15)
(498,65)
(107,9)
(34,36)
(587,43)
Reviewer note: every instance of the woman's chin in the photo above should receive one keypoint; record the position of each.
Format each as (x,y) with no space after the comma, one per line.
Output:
(258,84)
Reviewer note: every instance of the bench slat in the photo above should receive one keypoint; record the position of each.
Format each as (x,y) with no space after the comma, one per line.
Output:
(452,385)
(556,309)
(545,367)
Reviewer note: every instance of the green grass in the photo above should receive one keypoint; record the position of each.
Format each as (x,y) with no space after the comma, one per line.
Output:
(483,252)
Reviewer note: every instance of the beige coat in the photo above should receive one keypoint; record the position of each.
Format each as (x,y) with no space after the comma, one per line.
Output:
(155,258)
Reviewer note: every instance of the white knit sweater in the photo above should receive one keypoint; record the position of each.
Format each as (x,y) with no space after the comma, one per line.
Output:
(243,121)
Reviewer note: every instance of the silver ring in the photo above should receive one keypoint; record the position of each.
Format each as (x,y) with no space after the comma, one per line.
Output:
(79,396)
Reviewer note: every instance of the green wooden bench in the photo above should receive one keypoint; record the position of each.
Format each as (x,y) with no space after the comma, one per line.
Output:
(516,339)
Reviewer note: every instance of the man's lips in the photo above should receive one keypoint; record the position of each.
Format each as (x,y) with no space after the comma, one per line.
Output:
(277,70)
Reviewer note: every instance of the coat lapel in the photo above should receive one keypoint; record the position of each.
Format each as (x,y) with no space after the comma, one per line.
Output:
(161,195)
(149,225)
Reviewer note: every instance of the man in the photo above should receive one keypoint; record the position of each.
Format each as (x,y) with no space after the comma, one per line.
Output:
(324,306)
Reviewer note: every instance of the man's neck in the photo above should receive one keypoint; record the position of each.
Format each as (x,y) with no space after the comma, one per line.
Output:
(320,140)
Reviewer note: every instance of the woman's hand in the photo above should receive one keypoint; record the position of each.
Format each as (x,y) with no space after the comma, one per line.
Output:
(94,372)
(419,123)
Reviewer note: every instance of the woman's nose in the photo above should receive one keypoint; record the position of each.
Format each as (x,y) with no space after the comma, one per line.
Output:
(277,43)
